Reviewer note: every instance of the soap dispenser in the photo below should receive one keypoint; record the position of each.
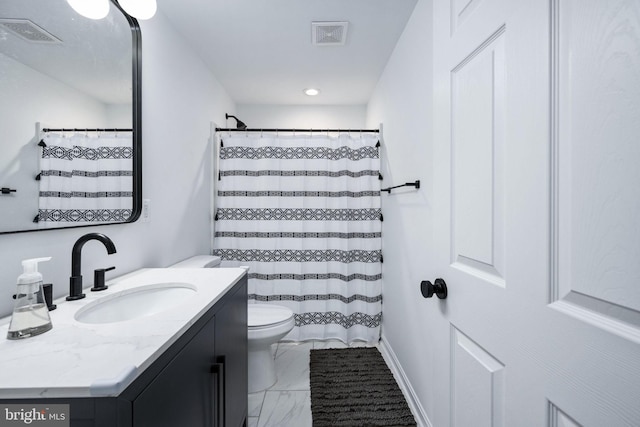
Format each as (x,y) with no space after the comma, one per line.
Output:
(30,314)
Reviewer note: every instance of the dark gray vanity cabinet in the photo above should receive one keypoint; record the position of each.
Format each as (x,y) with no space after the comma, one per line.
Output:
(231,358)
(185,392)
(205,382)
(200,380)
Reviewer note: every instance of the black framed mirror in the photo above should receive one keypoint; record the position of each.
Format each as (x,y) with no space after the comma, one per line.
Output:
(70,117)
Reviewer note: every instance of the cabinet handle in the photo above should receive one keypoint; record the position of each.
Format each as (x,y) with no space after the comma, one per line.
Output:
(217,369)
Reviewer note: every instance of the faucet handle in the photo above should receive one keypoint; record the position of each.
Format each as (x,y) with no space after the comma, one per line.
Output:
(98,279)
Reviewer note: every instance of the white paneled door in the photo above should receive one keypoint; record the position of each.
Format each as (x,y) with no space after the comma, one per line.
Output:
(537,196)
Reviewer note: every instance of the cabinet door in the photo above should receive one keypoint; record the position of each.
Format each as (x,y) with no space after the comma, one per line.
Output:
(181,395)
(231,347)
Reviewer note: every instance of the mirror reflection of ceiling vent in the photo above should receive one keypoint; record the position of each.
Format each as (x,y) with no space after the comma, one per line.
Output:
(329,33)
(28,31)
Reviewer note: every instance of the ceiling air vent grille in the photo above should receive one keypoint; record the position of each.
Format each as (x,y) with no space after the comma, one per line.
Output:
(28,31)
(329,33)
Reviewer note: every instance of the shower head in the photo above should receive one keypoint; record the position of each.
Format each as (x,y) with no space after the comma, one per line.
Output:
(239,123)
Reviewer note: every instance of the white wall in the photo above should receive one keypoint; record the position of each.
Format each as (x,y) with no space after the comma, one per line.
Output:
(403,103)
(28,96)
(119,115)
(301,116)
(180,98)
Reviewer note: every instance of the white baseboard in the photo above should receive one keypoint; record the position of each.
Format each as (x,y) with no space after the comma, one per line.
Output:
(403,382)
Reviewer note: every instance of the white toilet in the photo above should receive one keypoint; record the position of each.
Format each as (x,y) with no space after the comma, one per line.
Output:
(267,325)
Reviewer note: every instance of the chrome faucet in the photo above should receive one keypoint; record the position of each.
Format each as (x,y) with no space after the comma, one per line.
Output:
(75,282)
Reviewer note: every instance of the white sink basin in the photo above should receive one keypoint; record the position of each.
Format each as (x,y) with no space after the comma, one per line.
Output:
(136,302)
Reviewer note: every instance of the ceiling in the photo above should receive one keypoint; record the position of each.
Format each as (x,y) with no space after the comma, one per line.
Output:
(261,51)
(91,56)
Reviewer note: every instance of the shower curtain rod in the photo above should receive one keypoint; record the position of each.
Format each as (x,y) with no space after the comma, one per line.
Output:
(87,130)
(294,130)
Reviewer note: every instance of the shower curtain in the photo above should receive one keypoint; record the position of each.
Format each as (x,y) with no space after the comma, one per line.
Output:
(303,213)
(86,178)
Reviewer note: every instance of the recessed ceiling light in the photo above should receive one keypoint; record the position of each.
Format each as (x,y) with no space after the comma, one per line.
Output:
(311,92)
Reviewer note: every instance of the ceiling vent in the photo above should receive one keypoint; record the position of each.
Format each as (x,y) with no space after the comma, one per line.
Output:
(329,33)
(28,31)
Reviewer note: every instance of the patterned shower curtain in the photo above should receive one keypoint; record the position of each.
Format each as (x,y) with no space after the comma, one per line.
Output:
(303,213)
(86,178)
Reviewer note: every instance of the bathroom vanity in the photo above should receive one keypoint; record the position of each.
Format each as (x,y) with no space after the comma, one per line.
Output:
(183,365)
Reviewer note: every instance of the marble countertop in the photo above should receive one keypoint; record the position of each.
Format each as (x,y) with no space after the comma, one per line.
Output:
(77,359)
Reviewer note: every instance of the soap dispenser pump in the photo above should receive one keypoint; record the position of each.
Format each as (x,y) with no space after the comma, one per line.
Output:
(30,314)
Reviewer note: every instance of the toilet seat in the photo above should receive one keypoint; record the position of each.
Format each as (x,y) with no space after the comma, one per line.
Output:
(267,323)
(260,316)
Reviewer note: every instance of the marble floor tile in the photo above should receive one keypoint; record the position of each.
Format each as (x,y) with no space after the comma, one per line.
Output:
(292,366)
(317,345)
(284,347)
(255,403)
(288,402)
(286,409)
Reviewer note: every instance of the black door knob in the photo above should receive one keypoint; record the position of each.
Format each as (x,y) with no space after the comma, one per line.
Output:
(439,288)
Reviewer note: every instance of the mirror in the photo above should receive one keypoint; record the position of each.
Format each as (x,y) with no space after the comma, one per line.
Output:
(69,117)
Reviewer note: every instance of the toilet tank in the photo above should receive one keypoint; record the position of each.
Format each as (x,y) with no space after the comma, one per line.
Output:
(199,261)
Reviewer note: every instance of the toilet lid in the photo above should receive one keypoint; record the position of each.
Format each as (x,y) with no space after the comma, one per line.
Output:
(267,314)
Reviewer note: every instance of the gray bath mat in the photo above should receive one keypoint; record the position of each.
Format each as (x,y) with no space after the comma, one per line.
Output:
(354,387)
